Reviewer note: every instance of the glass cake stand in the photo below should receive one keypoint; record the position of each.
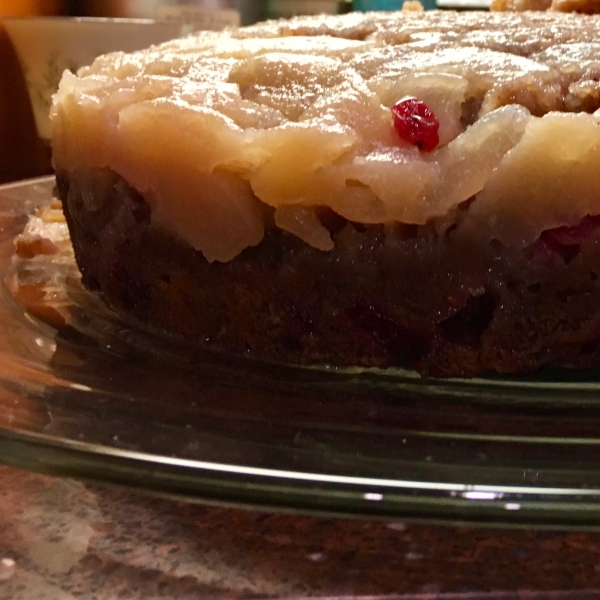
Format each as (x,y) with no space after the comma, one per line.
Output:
(104,400)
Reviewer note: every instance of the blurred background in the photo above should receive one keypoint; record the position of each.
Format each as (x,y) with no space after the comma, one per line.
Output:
(22,153)
(250,10)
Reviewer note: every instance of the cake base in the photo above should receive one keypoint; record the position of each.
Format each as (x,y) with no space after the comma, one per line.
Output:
(386,295)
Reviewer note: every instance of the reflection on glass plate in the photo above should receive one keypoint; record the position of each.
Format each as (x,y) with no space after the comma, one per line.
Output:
(105,400)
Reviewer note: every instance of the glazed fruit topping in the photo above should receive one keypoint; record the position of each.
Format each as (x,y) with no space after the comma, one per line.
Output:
(416,124)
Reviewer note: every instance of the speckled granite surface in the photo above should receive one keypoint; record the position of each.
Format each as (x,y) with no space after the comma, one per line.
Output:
(61,539)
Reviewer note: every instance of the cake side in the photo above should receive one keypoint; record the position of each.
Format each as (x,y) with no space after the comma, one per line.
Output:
(385,295)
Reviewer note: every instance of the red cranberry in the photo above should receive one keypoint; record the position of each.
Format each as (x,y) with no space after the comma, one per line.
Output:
(576,234)
(416,124)
(565,242)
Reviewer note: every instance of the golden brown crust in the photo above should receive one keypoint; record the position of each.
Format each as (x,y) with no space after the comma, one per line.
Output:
(590,7)
(519,5)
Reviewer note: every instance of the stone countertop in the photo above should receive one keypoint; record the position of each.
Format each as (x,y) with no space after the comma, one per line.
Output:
(61,539)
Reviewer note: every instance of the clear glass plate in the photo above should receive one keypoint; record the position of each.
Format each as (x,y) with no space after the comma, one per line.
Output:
(105,400)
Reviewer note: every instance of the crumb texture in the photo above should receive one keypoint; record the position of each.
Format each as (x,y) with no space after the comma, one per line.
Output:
(385,295)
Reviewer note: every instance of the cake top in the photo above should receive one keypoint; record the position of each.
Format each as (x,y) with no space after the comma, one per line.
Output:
(296,115)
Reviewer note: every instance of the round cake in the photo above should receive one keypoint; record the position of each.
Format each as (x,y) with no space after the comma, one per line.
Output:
(417,189)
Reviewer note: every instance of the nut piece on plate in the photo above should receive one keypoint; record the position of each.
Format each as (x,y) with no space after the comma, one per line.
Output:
(40,250)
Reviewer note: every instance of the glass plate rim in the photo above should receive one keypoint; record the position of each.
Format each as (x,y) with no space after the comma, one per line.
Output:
(275,489)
